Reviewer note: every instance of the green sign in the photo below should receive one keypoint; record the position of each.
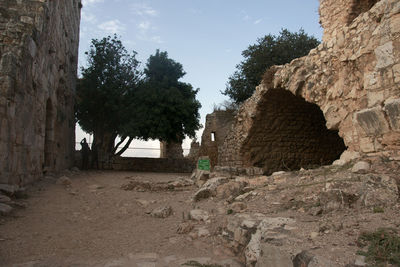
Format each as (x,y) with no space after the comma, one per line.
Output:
(204,164)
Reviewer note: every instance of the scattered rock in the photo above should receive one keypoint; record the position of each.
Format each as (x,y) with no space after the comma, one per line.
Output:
(200,175)
(267,229)
(21,193)
(199,215)
(75,169)
(230,189)
(162,212)
(181,182)
(95,187)
(5,209)
(360,261)
(278,173)
(243,197)
(144,186)
(64,180)
(238,206)
(4,199)
(9,190)
(209,188)
(273,256)
(361,167)
(315,211)
(346,157)
(203,232)
(185,228)
(143,202)
(302,259)
(314,235)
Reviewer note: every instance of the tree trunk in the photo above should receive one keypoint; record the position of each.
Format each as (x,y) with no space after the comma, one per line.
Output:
(103,146)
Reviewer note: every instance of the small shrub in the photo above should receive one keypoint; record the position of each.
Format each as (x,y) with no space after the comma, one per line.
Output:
(383,247)
(229,211)
(378,210)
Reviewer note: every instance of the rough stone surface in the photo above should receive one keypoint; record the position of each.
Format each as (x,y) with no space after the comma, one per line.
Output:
(64,180)
(273,256)
(4,199)
(361,167)
(344,95)
(268,229)
(171,165)
(215,131)
(209,188)
(171,150)
(5,209)
(199,215)
(161,212)
(38,66)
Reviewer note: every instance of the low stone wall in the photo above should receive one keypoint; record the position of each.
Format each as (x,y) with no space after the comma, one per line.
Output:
(153,165)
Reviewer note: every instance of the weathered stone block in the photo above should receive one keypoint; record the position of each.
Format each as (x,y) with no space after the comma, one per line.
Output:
(372,121)
(396,73)
(392,109)
(8,64)
(395,24)
(384,55)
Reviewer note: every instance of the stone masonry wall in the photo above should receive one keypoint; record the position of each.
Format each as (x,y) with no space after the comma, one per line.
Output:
(290,134)
(169,165)
(38,68)
(353,77)
(171,150)
(219,124)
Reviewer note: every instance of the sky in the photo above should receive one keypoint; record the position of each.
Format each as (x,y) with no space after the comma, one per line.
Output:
(205,36)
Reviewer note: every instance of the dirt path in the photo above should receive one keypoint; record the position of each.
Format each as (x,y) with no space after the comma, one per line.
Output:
(93,222)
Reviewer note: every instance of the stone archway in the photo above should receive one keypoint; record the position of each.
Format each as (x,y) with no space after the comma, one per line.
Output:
(289,133)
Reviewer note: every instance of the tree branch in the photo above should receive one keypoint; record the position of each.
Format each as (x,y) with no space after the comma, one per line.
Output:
(119,143)
(125,147)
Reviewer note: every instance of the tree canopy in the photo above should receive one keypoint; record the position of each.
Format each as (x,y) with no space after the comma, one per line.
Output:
(106,90)
(117,99)
(169,109)
(267,51)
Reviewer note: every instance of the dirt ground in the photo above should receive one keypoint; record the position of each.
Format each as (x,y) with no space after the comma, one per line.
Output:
(100,218)
(93,222)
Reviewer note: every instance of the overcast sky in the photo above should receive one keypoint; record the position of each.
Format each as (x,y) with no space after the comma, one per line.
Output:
(205,36)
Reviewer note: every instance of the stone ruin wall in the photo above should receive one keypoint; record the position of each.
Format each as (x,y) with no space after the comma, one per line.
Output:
(38,68)
(219,124)
(353,77)
(171,150)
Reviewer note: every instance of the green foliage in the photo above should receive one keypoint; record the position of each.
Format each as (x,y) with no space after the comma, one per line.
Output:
(268,51)
(378,209)
(168,109)
(114,99)
(383,247)
(106,88)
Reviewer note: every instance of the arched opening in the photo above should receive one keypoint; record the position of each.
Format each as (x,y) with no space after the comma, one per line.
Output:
(358,7)
(49,137)
(290,133)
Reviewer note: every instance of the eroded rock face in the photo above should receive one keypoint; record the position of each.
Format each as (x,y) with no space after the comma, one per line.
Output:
(351,81)
(38,67)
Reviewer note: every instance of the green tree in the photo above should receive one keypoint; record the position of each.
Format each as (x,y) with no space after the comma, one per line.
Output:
(168,109)
(105,94)
(268,51)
